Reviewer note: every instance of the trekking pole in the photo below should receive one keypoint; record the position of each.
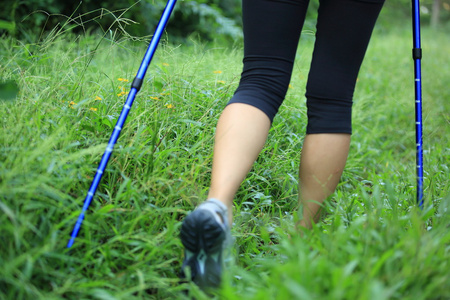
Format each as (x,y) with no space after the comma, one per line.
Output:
(417,56)
(135,87)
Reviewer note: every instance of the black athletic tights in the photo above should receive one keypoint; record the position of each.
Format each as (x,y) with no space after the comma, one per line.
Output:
(271,34)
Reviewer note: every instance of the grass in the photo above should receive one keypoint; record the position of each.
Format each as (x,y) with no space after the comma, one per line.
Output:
(373,243)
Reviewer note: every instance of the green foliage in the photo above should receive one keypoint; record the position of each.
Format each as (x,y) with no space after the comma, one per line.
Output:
(206,21)
(8,90)
(30,19)
(209,20)
(8,26)
(399,11)
(371,244)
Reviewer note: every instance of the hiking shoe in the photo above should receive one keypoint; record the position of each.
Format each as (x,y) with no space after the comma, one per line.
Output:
(204,233)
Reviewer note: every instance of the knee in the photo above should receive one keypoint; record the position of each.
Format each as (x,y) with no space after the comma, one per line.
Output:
(329,115)
(264,83)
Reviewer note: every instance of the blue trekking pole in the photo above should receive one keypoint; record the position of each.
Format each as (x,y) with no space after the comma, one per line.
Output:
(417,56)
(135,87)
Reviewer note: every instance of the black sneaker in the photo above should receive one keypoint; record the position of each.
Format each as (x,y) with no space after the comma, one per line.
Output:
(204,233)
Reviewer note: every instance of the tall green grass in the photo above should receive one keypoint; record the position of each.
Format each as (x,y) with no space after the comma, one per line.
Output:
(373,243)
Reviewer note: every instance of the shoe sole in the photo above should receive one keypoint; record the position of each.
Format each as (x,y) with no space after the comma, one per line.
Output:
(203,238)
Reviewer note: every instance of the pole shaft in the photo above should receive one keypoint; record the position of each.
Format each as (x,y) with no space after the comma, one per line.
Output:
(135,87)
(417,56)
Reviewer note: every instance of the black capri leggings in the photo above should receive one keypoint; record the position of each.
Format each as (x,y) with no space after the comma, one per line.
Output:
(271,35)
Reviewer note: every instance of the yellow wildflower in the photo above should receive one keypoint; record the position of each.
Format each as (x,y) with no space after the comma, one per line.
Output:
(217,72)
(221,81)
(164,94)
(169,106)
(290,86)
(93,109)
(123,79)
(154,98)
(98,98)
(165,64)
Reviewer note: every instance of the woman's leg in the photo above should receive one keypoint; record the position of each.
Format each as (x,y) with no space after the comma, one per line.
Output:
(344,28)
(321,165)
(240,136)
